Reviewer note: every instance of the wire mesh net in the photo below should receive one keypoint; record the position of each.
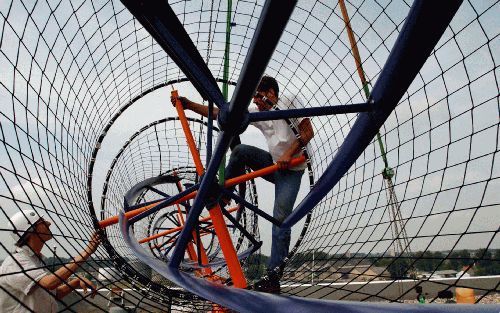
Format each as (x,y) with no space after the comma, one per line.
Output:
(71,69)
(160,150)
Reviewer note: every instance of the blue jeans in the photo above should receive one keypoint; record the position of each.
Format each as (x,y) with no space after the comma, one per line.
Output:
(286,187)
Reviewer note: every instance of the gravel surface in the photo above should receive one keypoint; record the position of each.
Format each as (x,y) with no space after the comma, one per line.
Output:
(492,298)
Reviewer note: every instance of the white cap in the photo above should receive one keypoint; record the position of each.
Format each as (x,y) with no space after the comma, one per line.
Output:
(22,222)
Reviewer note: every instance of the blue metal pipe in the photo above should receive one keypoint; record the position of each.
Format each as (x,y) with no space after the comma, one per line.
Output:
(364,129)
(245,233)
(251,207)
(306,112)
(209,131)
(208,179)
(165,195)
(425,24)
(243,300)
(133,194)
(158,18)
(140,205)
(272,22)
(163,204)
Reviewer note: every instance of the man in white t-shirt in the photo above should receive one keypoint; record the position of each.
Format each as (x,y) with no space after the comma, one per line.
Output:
(283,145)
(25,283)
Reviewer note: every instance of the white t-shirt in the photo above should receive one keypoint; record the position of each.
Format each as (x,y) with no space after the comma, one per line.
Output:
(278,134)
(19,280)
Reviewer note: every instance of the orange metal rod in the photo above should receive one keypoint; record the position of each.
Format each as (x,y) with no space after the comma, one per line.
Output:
(352,40)
(262,172)
(233,264)
(173,230)
(191,252)
(203,255)
(114,219)
(180,214)
(187,132)
(198,164)
(218,221)
(202,234)
(190,249)
(229,183)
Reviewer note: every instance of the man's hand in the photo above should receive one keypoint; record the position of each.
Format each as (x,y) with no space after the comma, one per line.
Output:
(84,284)
(184,101)
(195,107)
(284,161)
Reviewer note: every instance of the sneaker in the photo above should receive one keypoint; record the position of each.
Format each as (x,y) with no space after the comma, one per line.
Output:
(269,285)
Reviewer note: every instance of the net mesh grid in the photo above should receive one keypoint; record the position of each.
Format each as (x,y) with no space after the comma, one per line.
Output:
(69,68)
(147,154)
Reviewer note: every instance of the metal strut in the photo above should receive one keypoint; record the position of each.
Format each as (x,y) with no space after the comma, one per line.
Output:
(399,234)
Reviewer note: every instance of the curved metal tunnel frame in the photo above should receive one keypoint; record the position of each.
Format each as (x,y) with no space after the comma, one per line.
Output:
(161,292)
(135,192)
(423,27)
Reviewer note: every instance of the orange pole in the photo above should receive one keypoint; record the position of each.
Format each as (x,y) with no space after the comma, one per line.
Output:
(180,214)
(114,219)
(218,221)
(199,169)
(187,132)
(229,183)
(203,255)
(190,248)
(192,256)
(262,172)
(202,234)
(352,40)
(191,252)
(233,264)
(173,230)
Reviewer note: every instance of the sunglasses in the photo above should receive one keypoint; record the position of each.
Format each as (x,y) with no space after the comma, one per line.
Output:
(263,98)
(258,95)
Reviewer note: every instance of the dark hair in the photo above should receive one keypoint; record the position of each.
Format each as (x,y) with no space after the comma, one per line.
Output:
(268,82)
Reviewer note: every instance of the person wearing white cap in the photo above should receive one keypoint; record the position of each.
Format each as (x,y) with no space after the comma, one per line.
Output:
(25,283)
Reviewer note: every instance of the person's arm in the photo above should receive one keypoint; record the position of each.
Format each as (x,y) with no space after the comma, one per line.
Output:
(52,281)
(195,107)
(81,282)
(64,289)
(306,134)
